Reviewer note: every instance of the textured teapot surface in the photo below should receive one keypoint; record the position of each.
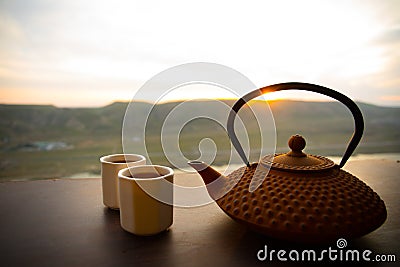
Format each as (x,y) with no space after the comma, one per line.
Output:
(303,203)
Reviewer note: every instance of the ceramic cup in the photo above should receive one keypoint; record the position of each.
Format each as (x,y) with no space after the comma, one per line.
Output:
(110,166)
(140,212)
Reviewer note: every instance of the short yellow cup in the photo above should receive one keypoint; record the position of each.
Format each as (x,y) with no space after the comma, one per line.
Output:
(140,212)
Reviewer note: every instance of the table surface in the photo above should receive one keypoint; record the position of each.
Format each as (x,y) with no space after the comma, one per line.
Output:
(64,223)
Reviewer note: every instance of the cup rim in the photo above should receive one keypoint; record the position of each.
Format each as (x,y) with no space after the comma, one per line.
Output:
(107,158)
(121,174)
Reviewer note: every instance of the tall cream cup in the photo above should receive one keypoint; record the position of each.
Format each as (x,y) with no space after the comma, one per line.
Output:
(110,166)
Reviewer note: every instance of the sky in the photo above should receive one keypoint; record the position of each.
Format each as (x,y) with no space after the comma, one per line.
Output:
(90,53)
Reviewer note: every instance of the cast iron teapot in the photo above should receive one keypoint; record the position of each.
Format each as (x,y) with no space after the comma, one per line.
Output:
(302,198)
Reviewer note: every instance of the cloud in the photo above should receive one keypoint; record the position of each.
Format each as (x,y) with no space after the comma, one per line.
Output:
(81,45)
(391,36)
(391,97)
(10,30)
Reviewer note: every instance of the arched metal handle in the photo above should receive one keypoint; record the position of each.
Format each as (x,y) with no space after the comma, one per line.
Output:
(357,115)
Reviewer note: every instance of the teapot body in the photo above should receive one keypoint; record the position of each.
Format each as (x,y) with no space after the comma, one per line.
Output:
(309,208)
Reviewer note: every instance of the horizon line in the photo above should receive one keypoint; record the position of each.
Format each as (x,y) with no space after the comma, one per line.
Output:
(182,100)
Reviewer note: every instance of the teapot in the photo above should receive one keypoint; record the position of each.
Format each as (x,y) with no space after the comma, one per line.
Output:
(301,197)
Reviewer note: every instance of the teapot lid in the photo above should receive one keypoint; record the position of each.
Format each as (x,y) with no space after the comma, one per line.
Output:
(296,160)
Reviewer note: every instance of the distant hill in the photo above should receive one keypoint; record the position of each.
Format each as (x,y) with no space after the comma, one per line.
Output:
(91,132)
(320,122)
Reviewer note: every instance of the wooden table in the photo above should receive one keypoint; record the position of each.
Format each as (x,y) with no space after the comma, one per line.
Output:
(64,223)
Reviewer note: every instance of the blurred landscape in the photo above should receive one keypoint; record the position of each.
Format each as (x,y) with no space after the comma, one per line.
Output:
(43,142)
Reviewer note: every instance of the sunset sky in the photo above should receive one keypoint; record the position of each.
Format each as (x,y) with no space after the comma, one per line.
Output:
(91,53)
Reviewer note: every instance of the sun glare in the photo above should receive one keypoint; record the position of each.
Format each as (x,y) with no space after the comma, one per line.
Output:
(208,91)
(197,91)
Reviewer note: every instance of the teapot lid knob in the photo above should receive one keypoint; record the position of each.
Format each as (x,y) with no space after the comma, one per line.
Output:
(297,143)
(296,159)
